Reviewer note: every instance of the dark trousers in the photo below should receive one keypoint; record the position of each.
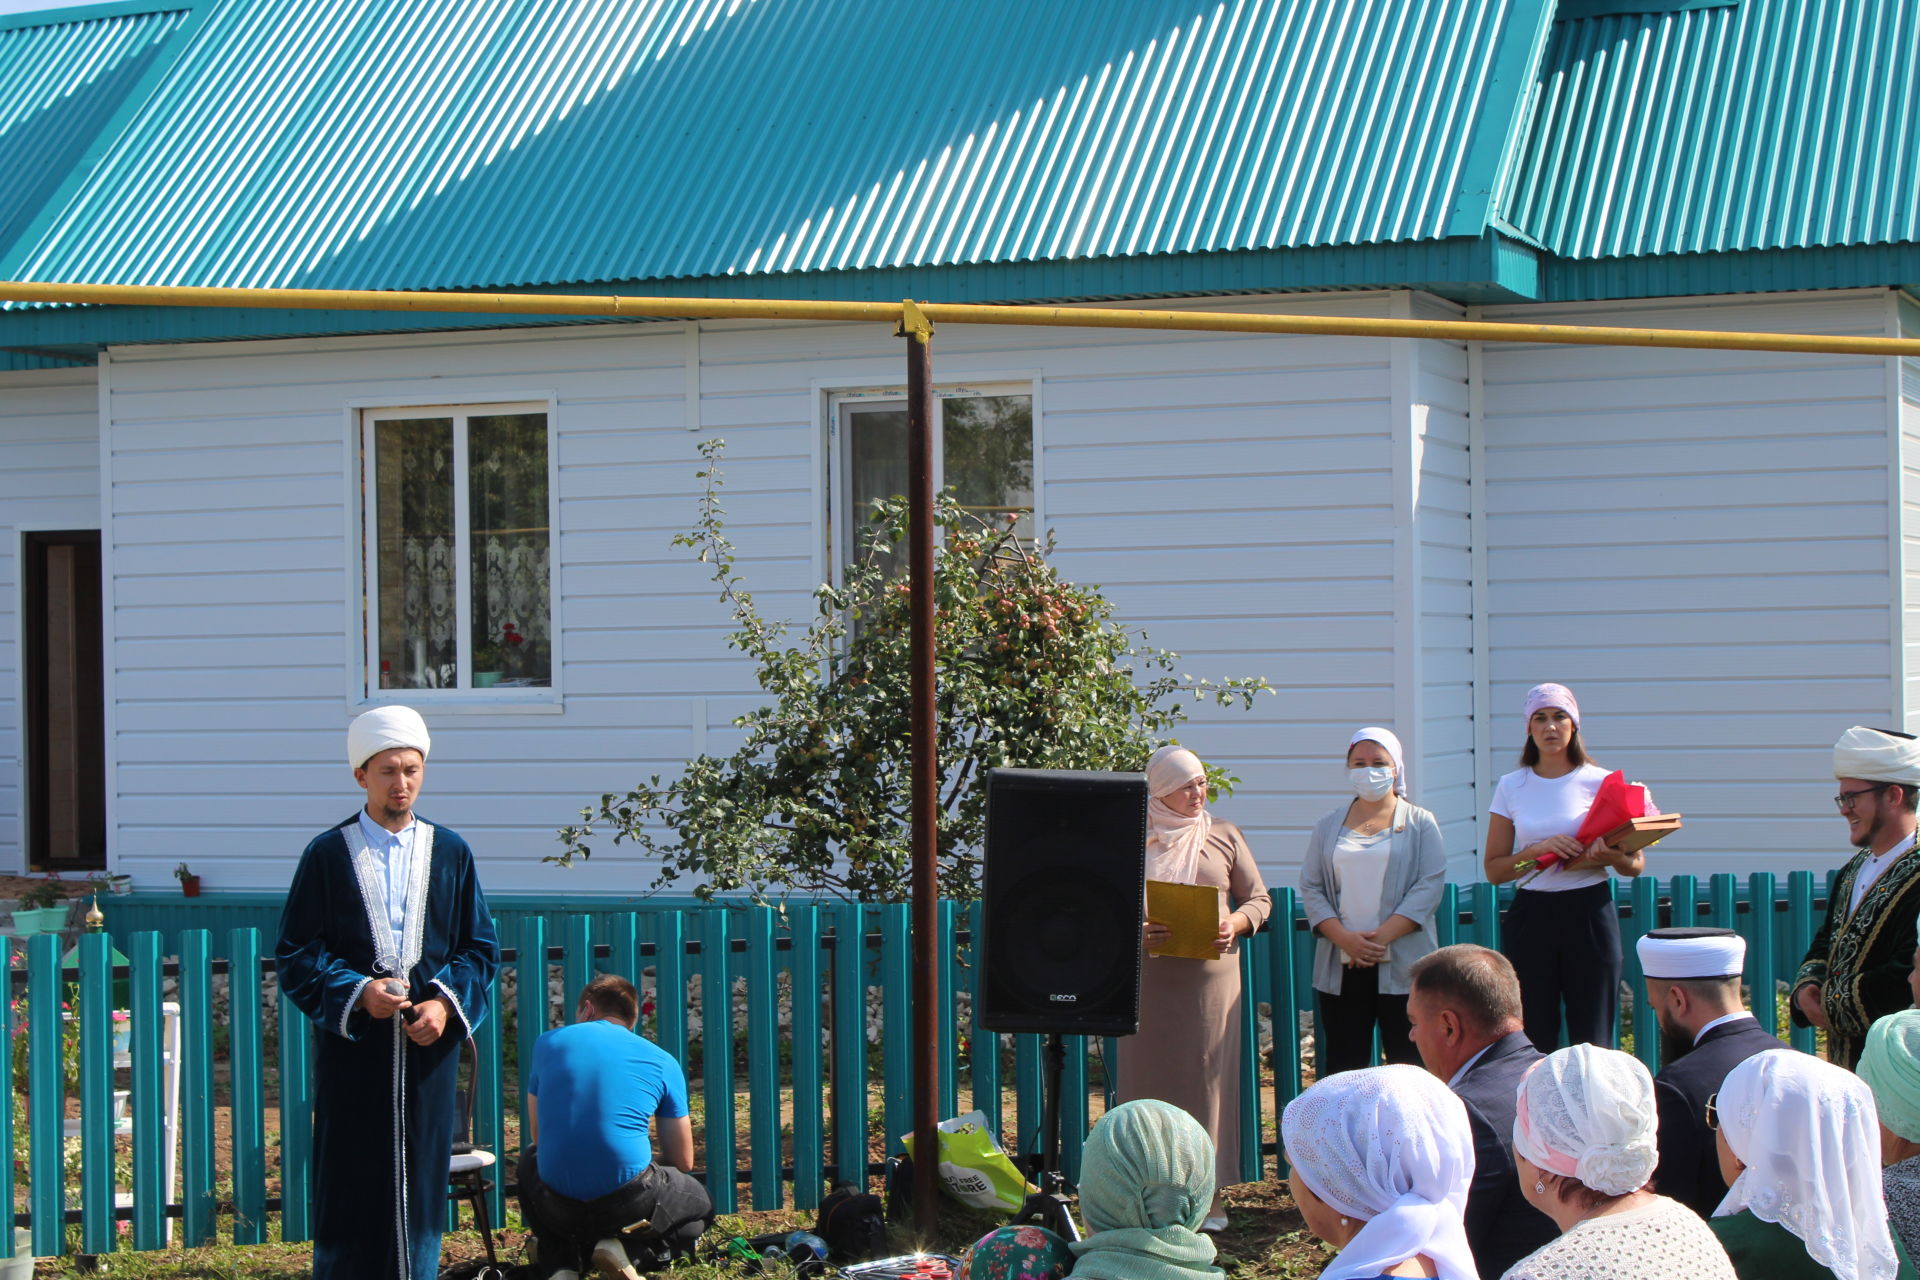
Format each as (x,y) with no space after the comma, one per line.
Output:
(674,1207)
(1348,1019)
(1566,947)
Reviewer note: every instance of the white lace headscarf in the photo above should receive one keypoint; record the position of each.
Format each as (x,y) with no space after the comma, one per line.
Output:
(1391,1145)
(1588,1113)
(1174,841)
(1809,1137)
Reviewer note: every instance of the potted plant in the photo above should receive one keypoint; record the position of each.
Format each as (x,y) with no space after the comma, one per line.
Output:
(189,882)
(43,908)
(117,884)
(495,658)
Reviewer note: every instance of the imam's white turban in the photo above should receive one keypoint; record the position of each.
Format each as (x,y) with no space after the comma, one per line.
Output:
(1808,1134)
(1174,841)
(1588,1113)
(1392,1145)
(382,729)
(1680,954)
(1877,755)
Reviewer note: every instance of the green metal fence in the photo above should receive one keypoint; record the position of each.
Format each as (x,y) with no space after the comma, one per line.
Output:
(807,1066)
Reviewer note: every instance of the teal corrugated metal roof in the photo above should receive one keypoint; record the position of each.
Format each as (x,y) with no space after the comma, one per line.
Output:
(502,143)
(1772,124)
(63,77)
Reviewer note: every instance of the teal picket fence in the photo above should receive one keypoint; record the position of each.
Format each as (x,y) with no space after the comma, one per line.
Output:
(197,1119)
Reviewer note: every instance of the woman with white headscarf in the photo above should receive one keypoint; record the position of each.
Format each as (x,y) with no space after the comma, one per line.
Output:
(1382,1159)
(1372,879)
(1800,1150)
(1562,932)
(1584,1146)
(1890,1065)
(1188,1048)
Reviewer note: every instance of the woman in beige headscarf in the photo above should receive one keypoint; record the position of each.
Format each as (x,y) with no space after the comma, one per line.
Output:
(1188,1049)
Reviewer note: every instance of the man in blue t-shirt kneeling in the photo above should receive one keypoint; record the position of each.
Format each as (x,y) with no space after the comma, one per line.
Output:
(594,1184)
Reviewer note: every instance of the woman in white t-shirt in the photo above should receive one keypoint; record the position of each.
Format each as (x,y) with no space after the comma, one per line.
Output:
(1373,875)
(1562,932)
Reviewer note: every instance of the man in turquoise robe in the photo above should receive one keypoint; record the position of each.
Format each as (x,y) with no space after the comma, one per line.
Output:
(387,944)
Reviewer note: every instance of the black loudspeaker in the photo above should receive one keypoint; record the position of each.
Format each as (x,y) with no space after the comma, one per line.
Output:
(1064,897)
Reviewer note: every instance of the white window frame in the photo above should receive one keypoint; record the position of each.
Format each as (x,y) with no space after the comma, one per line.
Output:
(365,690)
(836,541)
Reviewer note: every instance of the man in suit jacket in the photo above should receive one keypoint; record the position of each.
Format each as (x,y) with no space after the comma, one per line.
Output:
(1464,1004)
(1693,984)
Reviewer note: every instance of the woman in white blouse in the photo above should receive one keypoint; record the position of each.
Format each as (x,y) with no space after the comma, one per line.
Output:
(1563,932)
(1372,879)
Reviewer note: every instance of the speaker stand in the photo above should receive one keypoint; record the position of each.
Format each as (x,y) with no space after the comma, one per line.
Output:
(1049,1207)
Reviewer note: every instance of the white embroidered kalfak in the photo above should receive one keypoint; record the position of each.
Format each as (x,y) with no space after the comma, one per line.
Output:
(1809,1136)
(1588,1113)
(1391,1145)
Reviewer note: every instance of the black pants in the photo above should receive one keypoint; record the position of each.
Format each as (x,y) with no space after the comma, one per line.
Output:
(1348,1019)
(676,1209)
(1566,947)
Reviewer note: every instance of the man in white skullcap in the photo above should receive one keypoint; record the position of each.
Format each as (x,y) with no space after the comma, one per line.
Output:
(1693,985)
(1856,970)
(387,944)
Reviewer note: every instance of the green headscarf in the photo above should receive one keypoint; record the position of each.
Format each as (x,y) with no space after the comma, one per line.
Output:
(1146,1182)
(1890,1064)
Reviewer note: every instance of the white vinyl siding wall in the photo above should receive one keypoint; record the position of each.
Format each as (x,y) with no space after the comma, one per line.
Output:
(1906,376)
(1443,510)
(1233,496)
(1697,543)
(49,479)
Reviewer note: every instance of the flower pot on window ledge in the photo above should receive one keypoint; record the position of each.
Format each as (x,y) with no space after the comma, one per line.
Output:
(190,886)
(485,679)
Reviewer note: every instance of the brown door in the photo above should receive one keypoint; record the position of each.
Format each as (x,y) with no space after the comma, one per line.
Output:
(65,741)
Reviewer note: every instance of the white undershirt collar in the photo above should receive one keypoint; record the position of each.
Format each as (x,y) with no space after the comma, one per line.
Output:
(1723,1018)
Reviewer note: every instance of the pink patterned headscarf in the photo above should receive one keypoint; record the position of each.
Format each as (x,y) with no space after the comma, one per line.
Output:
(1552,695)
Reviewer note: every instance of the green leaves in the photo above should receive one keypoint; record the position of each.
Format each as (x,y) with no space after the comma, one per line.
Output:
(1033,672)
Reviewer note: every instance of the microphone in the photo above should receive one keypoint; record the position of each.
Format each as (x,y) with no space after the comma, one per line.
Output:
(395,987)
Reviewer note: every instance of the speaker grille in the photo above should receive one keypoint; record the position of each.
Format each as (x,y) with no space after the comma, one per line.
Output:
(1064,886)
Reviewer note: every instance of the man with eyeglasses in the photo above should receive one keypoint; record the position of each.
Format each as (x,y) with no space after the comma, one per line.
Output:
(1858,966)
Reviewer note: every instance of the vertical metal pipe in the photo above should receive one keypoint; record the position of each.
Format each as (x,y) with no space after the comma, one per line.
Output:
(926,793)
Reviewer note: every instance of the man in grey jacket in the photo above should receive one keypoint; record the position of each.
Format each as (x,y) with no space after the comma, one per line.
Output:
(1465,1011)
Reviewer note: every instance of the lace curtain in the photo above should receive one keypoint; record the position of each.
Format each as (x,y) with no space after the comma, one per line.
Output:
(418,551)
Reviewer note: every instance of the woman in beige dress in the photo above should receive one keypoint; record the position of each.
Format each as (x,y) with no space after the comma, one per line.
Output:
(1188,1049)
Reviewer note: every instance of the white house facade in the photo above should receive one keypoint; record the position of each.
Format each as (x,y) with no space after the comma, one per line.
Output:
(299,514)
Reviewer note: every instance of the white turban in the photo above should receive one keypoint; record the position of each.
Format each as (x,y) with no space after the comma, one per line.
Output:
(1807,1132)
(383,729)
(1174,841)
(1588,1113)
(1681,954)
(1877,755)
(1392,1145)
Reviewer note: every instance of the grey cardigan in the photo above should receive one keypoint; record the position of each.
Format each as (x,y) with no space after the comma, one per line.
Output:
(1416,876)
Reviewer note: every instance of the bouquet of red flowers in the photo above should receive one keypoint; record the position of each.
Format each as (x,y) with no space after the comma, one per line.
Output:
(1617,803)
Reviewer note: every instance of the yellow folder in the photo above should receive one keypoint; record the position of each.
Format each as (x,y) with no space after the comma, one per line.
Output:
(1193,912)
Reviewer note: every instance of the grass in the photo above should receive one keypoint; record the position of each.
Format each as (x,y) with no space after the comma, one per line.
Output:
(1265,1240)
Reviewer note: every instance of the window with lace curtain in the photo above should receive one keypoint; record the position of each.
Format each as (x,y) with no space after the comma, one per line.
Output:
(459,549)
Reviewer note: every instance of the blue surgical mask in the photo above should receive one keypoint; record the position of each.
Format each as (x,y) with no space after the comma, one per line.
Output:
(1371,784)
